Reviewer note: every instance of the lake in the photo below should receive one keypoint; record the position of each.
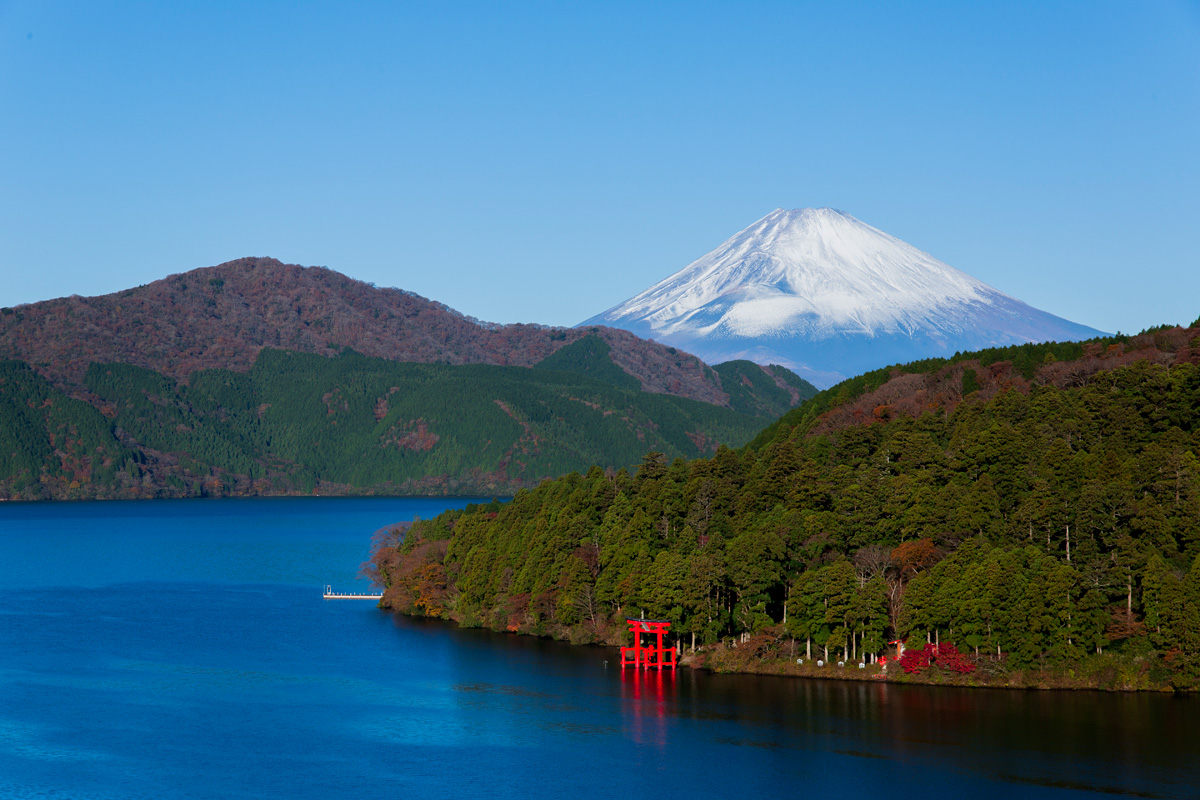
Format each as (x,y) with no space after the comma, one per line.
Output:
(164,649)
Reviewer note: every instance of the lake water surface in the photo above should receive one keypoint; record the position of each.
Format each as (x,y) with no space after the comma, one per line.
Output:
(166,649)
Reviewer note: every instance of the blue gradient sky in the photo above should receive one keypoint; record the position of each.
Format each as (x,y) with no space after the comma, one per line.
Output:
(544,161)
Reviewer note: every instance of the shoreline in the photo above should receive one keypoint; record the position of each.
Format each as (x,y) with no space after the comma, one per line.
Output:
(1108,672)
(1046,679)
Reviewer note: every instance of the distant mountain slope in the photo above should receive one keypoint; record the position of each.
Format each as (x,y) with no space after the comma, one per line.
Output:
(829,297)
(299,423)
(220,317)
(758,390)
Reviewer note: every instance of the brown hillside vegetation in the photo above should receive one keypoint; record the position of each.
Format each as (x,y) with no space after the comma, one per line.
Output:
(222,316)
(911,394)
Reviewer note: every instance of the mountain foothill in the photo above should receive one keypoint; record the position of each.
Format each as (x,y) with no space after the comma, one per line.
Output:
(258,377)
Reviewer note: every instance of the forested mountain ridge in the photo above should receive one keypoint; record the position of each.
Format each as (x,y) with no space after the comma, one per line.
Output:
(220,318)
(940,384)
(1041,517)
(302,423)
(171,389)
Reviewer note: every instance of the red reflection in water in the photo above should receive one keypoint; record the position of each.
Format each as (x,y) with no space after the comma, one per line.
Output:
(647,695)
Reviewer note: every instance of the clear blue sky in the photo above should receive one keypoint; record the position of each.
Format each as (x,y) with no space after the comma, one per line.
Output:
(542,162)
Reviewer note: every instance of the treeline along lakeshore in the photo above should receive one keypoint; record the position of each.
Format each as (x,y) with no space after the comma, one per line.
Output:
(1034,511)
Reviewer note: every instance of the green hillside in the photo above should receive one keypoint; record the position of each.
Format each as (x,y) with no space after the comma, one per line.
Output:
(297,421)
(762,391)
(589,356)
(51,445)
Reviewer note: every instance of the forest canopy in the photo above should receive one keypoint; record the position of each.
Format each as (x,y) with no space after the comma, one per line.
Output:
(296,422)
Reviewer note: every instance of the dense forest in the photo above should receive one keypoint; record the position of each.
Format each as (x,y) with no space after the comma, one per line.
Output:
(297,422)
(1032,510)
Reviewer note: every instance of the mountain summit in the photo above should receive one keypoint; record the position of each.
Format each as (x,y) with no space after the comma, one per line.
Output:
(830,297)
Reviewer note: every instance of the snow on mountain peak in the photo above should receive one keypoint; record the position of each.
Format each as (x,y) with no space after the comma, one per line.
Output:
(818,269)
(816,275)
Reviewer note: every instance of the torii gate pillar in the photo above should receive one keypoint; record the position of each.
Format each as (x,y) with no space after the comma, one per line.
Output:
(659,655)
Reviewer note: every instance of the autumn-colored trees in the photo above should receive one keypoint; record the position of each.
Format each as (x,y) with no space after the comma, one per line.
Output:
(411,569)
(942,656)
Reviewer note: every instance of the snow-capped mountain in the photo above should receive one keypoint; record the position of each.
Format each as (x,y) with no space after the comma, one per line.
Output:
(830,297)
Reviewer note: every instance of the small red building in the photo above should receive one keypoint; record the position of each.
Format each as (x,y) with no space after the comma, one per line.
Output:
(656,655)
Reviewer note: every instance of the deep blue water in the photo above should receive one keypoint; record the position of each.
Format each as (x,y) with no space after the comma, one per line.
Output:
(182,649)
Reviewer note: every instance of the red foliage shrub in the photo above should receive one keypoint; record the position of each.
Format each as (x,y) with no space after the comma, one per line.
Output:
(917,660)
(945,656)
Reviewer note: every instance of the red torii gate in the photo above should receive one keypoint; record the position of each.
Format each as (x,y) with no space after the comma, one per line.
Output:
(649,656)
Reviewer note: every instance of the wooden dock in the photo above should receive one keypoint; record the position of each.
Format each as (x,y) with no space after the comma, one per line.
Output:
(330,594)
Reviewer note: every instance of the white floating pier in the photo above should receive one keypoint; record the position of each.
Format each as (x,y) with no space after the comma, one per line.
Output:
(330,594)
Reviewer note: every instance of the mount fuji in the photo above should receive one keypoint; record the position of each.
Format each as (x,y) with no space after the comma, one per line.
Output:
(829,297)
